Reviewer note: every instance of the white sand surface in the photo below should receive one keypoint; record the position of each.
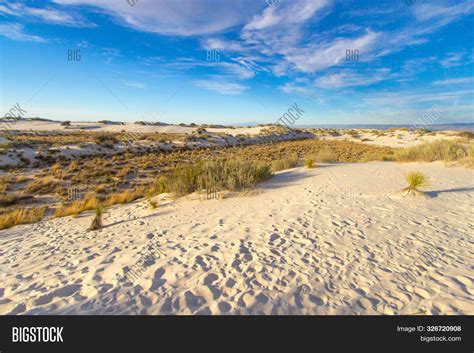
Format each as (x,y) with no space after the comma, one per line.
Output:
(331,240)
(36,125)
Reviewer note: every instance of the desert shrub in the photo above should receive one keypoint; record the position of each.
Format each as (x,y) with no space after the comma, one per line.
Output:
(153,203)
(325,156)
(124,172)
(10,199)
(125,196)
(4,147)
(105,140)
(41,186)
(158,187)
(90,202)
(309,162)
(442,150)
(285,163)
(21,216)
(217,175)
(466,134)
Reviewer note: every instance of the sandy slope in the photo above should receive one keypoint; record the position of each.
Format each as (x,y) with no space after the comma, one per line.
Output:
(326,241)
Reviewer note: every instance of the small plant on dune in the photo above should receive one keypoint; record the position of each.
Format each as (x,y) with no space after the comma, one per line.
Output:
(309,163)
(415,180)
(153,203)
(97,221)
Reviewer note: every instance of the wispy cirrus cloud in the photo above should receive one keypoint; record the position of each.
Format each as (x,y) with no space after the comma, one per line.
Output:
(15,31)
(221,86)
(239,68)
(181,18)
(454,59)
(134,84)
(454,81)
(47,15)
(442,12)
(349,78)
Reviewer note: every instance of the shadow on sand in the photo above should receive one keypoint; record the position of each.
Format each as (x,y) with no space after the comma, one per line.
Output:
(436,193)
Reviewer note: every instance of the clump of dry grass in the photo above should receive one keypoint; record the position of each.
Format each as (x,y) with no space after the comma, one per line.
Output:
(21,216)
(41,186)
(460,151)
(90,202)
(124,171)
(153,203)
(285,163)
(309,163)
(217,175)
(10,199)
(124,197)
(415,180)
(325,156)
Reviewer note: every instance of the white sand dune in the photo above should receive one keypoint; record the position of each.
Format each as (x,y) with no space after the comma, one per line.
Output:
(332,240)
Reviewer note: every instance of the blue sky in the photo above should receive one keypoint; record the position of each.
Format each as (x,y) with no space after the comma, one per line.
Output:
(229,61)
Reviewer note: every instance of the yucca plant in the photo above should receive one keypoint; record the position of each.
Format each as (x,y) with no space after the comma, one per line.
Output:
(415,180)
(97,221)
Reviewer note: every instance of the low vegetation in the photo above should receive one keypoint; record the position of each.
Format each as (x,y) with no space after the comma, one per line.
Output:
(459,151)
(21,216)
(415,180)
(217,175)
(285,163)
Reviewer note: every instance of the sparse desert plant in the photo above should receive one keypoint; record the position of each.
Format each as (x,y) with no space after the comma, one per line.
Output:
(97,221)
(415,180)
(21,216)
(217,175)
(41,186)
(309,163)
(325,156)
(442,150)
(90,202)
(124,172)
(153,203)
(105,140)
(285,163)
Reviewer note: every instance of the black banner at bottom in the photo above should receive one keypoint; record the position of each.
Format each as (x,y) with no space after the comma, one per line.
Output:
(291,333)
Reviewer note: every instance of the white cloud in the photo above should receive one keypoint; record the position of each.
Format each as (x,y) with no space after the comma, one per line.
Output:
(454,81)
(289,12)
(452,59)
(221,86)
(15,31)
(176,17)
(48,15)
(444,13)
(351,79)
(240,68)
(134,84)
(321,56)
